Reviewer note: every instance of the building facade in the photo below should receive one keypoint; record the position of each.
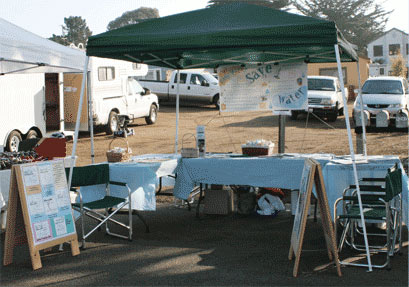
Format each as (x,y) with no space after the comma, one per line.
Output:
(384,49)
(349,72)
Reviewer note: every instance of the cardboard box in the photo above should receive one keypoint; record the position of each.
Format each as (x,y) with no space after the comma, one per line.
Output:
(218,202)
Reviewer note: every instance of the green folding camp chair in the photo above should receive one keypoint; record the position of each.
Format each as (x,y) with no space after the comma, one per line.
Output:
(381,203)
(97,175)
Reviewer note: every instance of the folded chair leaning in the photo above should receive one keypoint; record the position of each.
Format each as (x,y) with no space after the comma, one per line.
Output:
(110,205)
(382,203)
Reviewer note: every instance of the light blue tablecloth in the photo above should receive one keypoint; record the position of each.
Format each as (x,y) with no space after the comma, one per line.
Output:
(275,171)
(141,174)
(282,172)
(339,175)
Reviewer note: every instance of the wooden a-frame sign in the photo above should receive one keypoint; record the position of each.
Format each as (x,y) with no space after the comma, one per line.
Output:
(312,175)
(39,210)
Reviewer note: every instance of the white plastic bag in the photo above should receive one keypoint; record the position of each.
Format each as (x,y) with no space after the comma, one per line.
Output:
(268,204)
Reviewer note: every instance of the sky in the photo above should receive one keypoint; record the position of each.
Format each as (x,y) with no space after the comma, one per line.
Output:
(45,17)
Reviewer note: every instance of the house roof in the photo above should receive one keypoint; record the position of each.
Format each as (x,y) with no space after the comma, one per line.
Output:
(390,30)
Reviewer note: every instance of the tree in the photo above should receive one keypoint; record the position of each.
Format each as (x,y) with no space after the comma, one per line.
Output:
(360,21)
(74,31)
(133,17)
(398,66)
(59,39)
(276,4)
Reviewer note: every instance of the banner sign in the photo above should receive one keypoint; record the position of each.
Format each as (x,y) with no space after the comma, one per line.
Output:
(263,88)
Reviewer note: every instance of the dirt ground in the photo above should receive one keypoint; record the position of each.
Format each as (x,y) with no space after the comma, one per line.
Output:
(182,250)
(234,250)
(227,131)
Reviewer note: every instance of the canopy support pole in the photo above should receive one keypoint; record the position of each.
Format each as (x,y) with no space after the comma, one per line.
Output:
(351,148)
(77,123)
(362,112)
(91,123)
(177,111)
(281,133)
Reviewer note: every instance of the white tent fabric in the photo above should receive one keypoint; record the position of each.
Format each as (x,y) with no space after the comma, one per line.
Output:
(24,52)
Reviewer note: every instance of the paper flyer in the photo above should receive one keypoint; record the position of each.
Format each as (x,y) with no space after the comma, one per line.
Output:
(48,200)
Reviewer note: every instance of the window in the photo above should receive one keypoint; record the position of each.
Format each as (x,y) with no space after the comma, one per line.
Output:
(182,78)
(394,49)
(333,72)
(407,50)
(321,85)
(388,87)
(196,79)
(106,73)
(377,51)
(381,71)
(134,87)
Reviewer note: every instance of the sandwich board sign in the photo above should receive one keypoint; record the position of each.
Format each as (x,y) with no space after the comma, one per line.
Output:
(312,175)
(39,210)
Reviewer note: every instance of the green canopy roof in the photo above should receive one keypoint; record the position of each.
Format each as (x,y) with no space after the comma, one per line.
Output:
(237,33)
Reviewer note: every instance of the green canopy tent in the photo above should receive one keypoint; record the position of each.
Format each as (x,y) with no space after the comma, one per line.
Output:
(232,34)
(223,35)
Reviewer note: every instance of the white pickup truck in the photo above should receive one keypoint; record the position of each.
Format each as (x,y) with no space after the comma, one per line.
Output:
(324,97)
(114,90)
(195,86)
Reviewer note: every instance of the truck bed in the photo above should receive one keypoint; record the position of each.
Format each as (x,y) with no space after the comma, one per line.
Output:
(160,88)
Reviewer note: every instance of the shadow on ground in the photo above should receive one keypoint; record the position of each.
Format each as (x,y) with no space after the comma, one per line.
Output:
(185,251)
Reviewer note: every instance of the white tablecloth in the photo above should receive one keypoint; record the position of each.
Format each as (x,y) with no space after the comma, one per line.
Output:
(141,174)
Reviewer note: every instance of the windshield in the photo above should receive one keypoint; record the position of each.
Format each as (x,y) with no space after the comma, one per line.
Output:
(321,85)
(135,87)
(389,87)
(211,78)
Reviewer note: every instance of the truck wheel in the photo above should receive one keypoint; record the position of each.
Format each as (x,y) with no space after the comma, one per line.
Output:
(13,141)
(294,115)
(216,101)
(32,134)
(112,124)
(341,111)
(153,114)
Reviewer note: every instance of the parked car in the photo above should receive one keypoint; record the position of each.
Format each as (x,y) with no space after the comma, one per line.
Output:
(324,97)
(387,95)
(195,86)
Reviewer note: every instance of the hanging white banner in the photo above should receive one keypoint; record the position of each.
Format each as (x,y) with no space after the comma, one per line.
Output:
(265,87)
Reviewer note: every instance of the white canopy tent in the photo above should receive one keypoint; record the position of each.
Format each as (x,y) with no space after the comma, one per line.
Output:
(24,52)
